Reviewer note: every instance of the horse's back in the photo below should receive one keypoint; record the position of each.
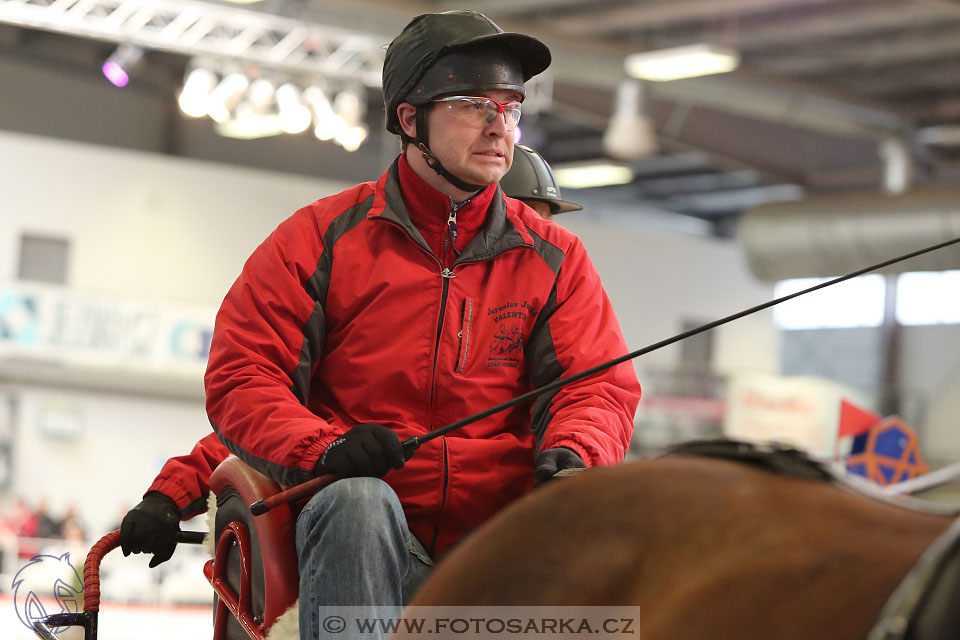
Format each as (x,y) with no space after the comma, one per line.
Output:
(697,548)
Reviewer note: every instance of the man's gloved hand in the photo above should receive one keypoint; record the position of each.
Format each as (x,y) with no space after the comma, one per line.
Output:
(549,461)
(151,527)
(367,449)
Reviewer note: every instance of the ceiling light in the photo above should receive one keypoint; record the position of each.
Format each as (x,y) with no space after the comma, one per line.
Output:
(328,124)
(630,134)
(226,96)
(681,62)
(261,94)
(350,106)
(196,92)
(123,63)
(350,138)
(294,117)
(592,175)
(249,125)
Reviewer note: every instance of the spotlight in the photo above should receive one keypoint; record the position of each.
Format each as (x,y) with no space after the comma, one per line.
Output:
(122,64)
(226,96)
(196,90)
(328,124)
(350,106)
(261,95)
(351,138)
(294,117)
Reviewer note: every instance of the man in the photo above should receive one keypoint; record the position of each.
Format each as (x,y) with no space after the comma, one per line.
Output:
(397,307)
(531,180)
(180,490)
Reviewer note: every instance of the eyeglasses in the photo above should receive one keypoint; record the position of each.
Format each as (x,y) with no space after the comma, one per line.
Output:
(480,112)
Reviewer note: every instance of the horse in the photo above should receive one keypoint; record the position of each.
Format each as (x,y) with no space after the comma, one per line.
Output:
(707,547)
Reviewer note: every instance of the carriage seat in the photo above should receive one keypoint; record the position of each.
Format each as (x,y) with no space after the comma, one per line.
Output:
(271,547)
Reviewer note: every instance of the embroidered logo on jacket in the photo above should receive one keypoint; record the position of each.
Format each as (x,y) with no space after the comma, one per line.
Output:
(506,349)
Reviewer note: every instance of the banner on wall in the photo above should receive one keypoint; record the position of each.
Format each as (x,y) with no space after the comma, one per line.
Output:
(55,324)
(797,410)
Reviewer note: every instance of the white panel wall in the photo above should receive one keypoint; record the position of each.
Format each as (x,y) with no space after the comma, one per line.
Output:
(121,444)
(657,279)
(139,223)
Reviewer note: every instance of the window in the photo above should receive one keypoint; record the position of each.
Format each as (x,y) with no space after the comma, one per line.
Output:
(928,297)
(43,259)
(854,303)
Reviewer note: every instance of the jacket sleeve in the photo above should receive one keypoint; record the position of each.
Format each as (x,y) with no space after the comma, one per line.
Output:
(267,339)
(186,479)
(575,331)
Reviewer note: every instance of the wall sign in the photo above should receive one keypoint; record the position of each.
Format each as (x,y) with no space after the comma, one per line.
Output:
(56,324)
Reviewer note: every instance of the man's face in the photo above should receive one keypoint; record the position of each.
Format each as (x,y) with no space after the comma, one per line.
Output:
(475,154)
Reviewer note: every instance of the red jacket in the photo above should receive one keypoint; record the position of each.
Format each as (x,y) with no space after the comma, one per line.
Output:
(186,479)
(344,315)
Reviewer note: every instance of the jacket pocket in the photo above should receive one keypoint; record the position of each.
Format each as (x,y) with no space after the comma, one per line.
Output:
(466,322)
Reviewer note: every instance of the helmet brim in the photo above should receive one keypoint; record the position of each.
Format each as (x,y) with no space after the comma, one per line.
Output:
(534,55)
(556,205)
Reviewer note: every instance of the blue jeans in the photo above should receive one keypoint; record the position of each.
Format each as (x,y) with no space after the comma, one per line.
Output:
(355,550)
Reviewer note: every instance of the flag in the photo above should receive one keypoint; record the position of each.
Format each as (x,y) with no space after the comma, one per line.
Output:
(854,420)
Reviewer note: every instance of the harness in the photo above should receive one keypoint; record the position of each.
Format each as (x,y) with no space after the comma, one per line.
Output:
(926,603)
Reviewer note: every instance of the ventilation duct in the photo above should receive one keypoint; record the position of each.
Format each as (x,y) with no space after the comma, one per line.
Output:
(833,235)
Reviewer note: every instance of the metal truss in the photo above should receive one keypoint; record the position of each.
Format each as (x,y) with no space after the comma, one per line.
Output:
(199,29)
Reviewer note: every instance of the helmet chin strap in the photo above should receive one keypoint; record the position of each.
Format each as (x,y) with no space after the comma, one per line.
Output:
(433,162)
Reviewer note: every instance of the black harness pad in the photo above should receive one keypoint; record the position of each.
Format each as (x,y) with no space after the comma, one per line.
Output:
(775,458)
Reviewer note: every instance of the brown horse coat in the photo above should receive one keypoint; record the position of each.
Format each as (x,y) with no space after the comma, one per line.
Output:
(699,547)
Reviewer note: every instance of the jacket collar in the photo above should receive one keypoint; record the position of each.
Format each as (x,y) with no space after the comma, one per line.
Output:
(497,234)
(429,208)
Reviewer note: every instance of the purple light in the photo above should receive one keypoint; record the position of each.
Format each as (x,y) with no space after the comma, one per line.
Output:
(115,74)
(516,134)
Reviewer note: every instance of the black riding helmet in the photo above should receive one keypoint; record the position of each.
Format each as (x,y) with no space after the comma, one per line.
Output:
(530,178)
(454,52)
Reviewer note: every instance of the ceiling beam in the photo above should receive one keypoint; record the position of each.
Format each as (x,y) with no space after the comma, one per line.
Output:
(910,78)
(857,56)
(844,21)
(794,104)
(665,12)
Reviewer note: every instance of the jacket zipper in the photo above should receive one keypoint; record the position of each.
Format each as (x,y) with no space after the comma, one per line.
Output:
(445,272)
(447,275)
(450,240)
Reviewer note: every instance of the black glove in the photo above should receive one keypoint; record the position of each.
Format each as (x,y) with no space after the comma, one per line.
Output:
(151,527)
(368,449)
(550,461)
